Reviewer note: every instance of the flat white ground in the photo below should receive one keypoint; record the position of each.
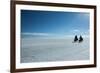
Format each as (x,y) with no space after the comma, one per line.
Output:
(45,50)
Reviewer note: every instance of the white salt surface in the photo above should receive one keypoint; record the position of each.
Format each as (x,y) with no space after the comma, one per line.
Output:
(47,50)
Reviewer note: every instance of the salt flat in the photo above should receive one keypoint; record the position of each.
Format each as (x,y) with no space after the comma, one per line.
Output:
(50,49)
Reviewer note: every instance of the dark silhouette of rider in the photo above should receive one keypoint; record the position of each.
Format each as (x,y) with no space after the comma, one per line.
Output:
(76,38)
(80,39)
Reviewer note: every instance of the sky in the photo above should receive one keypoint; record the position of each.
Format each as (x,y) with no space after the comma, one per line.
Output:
(54,23)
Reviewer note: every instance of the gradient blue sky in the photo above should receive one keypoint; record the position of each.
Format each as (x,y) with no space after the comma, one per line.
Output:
(45,23)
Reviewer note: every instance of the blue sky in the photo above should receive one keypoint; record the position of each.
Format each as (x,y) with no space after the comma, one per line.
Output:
(52,23)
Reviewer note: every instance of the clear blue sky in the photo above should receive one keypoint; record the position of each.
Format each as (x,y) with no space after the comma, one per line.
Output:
(52,22)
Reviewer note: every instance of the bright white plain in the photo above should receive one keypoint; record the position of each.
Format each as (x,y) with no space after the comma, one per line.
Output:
(5,36)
